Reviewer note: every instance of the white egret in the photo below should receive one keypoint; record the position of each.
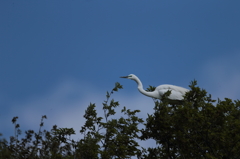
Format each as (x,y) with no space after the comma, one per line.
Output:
(175,97)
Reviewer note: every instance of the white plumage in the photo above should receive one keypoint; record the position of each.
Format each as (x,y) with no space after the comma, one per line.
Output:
(176,95)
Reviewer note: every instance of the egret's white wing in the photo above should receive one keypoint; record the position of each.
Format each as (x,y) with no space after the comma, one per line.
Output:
(177,92)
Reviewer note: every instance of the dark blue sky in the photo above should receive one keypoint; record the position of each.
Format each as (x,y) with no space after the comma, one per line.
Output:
(58,56)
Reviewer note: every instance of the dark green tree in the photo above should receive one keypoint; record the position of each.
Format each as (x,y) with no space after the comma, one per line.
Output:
(109,137)
(199,127)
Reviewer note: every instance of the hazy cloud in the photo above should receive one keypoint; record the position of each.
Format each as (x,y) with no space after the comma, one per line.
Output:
(223,75)
(65,106)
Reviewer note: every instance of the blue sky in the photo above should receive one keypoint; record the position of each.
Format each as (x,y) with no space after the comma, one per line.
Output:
(58,56)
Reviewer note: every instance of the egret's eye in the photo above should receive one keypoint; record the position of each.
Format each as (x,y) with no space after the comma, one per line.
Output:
(129,76)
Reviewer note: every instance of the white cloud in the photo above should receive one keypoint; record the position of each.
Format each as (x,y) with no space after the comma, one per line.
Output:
(65,106)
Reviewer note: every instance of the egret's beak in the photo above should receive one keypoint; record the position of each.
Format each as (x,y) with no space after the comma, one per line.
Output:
(124,77)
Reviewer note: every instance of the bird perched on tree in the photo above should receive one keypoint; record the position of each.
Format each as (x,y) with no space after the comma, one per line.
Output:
(175,97)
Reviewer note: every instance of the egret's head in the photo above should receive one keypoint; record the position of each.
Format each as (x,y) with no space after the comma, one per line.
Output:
(131,76)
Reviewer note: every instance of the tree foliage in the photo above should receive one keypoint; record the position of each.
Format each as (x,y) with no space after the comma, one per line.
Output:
(199,127)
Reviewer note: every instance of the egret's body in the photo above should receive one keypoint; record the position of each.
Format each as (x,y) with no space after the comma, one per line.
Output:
(176,95)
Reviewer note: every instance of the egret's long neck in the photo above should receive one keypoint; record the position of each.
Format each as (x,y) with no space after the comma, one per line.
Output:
(141,90)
